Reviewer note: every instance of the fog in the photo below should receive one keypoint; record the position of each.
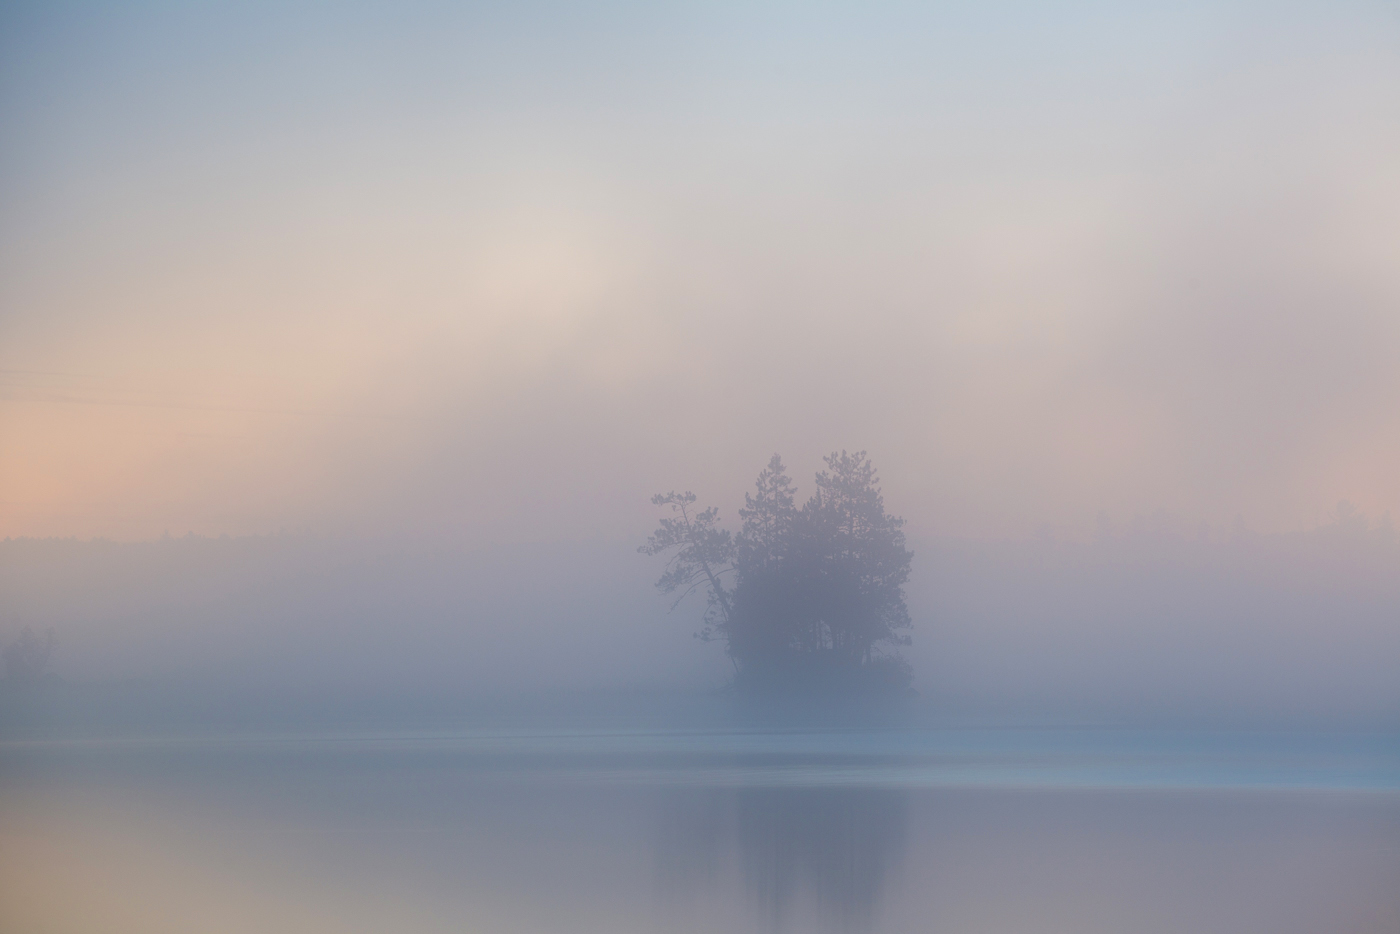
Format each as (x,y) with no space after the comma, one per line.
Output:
(341,349)
(1140,625)
(362,365)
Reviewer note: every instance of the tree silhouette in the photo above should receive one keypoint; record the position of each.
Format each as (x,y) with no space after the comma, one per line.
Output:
(703,552)
(817,600)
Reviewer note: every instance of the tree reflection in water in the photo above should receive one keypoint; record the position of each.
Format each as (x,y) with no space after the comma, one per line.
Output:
(803,856)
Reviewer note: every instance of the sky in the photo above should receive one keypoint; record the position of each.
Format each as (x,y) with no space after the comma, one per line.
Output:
(491,275)
(367,267)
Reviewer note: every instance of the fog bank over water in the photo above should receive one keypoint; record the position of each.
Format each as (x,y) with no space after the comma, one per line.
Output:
(450,290)
(1141,624)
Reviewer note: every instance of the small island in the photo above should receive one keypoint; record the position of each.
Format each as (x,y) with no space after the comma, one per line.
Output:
(809,600)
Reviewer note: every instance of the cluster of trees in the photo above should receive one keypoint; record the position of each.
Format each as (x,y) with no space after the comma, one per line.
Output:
(807,598)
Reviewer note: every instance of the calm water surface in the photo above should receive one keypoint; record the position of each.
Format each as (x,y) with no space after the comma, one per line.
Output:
(704,830)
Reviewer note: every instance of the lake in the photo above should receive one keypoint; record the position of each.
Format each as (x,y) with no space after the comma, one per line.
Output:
(736,829)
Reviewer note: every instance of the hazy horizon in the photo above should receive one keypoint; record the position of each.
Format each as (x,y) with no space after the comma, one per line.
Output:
(1142,624)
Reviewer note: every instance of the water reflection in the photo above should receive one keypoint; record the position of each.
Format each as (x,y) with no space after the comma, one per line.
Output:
(587,835)
(805,858)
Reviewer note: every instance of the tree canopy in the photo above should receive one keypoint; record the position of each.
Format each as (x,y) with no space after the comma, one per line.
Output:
(807,598)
